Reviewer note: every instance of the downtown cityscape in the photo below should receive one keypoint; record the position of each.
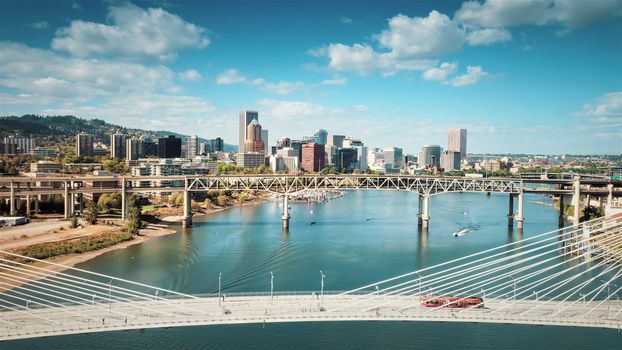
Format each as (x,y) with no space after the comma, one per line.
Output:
(303,175)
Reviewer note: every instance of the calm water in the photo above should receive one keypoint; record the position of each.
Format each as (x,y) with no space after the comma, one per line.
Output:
(355,240)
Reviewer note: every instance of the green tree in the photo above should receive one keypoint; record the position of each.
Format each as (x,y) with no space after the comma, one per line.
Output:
(134,222)
(108,201)
(591,212)
(91,213)
(73,222)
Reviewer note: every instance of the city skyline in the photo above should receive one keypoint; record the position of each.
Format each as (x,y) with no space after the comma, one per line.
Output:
(395,74)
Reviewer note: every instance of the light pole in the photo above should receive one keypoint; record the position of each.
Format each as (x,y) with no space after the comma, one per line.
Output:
(322,287)
(219,278)
(271,285)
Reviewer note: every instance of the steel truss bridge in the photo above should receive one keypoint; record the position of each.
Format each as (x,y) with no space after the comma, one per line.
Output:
(567,277)
(73,188)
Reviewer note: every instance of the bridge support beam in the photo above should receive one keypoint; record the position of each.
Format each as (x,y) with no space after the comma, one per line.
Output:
(285,212)
(187,219)
(123,200)
(576,201)
(37,200)
(562,205)
(511,211)
(66,199)
(27,205)
(519,214)
(12,200)
(425,217)
(609,195)
(420,211)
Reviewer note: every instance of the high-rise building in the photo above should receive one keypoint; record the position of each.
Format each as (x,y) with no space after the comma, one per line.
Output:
(251,159)
(350,142)
(192,146)
(84,145)
(133,149)
(450,160)
(283,142)
(254,143)
(117,146)
(336,140)
(150,148)
(457,141)
(361,157)
(321,137)
(430,156)
(169,147)
(280,162)
(23,144)
(244,119)
(312,157)
(346,159)
(264,138)
(216,145)
(393,156)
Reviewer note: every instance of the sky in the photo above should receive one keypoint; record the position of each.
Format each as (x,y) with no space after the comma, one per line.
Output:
(529,76)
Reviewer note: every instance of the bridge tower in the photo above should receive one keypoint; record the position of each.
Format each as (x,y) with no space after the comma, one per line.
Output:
(425,215)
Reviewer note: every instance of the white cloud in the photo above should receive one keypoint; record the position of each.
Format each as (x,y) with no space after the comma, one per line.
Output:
(422,37)
(361,108)
(46,73)
(488,36)
(294,110)
(317,52)
(335,81)
(135,33)
(191,75)
(473,75)
(346,20)
(39,25)
(606,109)
(441,72)
(570,13)
(229,77)
(283,87)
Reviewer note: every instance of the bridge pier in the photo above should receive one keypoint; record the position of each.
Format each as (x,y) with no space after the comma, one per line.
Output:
(576,201)
(560,222)
(66,199)
(187,218)
(37,200)
(511,211)
(519,214)
(27,205)
(12,200)
(285,212)
(425,217)
(420,211)
(609,195)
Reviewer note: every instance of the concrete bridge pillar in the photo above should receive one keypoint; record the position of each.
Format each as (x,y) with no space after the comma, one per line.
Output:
(519,213)
(187,217)
(420,211)
(576,200)
(511,211)
(37,200)
(285,212)
(610,195)
(425,217)
(66,199)
(27,205)
(560,222)
(123,199)
(12,200)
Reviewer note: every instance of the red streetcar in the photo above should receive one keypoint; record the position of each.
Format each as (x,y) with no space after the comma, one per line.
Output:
(452,302)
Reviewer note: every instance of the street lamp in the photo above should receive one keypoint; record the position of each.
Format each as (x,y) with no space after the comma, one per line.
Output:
(271,285)
(322,287)
(219,277)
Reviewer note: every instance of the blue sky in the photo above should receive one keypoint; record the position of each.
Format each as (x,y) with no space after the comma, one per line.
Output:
(533,76)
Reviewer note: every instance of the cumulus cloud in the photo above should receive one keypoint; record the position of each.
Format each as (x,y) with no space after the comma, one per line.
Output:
(503,13)
(473,75)
(191,75)
(441,72)
(290,110)
(134,33)
(229,77)
(606,109)
(488,36)
(46,73)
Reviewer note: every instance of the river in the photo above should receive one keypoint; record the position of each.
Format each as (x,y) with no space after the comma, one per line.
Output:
(362,237)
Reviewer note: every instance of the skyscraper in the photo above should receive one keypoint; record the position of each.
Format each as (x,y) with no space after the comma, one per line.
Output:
(117,146)
(312,157)
(336,140)
(84,145)
(192,146)
(244,119)
(169,147)
(457,141)
(450,160)
(253,142)
(264,138)
(393,156)
(430,156)
(133,148)
(321,137)
(24,144)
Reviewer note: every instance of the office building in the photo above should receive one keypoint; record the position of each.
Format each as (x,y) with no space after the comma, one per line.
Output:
(283,142)
(23,144)
(283,163)
(251,159)
(253,142)
(450,160)
(346,159)
(133,149)
(169,147)
(457,141)
(215,145)
(393,157)
(244,119)
(43,152)
(45,166)
(336,140)
(192,146)
(350,142)
(264,138)
(9,149)
(430,156)
(361,157)
(150,147)
(84,145)
(321,137)
(117,146)
(312,157)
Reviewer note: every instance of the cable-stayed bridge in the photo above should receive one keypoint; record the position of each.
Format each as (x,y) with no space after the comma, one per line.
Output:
(567,277)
